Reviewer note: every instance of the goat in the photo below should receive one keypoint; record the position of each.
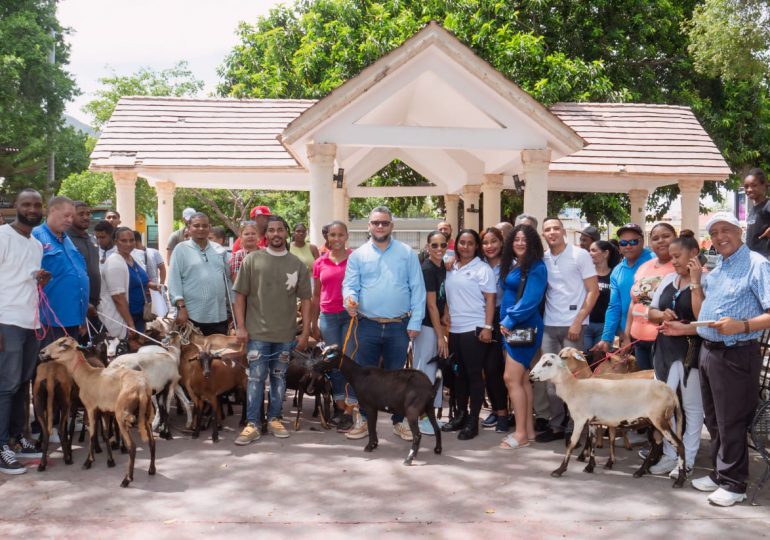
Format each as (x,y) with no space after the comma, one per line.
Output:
(301,376)
(123,392)
(53,392)
(406,392)
(614,403)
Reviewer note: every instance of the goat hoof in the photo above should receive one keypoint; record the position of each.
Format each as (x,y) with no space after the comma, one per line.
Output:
(588,468)
(407,462)
(437,450)
(151,471)
(638,474)
(125,482)
(557,473)
(369,447)
(608,465)
(215,438)
(40,468)
(87,465)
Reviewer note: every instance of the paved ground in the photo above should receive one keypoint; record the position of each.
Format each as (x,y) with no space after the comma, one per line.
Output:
(318,483)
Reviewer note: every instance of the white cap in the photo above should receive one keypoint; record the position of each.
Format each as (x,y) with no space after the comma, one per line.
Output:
(187,213)
(727,217)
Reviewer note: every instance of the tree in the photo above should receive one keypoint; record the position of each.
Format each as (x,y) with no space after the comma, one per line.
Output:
(557,50)
(33,92)
(98,189)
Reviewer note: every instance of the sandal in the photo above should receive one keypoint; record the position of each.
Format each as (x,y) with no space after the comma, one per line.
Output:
(510,443)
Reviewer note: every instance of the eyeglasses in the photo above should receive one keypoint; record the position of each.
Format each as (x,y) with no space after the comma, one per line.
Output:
(379,223)
(442,245)
(624,243)
(204,256)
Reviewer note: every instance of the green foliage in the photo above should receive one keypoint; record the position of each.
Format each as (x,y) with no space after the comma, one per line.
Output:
(176,81)
(33,93)
(731,38)
(98,189)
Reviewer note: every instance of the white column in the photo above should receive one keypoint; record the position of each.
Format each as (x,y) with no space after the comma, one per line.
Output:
(452,206)
(471,199)
(690,190)
(340,198)
(491,189)
(536,164)
(125,197)
(638,199)
(165,191)
(321,158)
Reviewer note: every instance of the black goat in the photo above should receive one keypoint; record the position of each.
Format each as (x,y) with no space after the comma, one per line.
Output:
(301,377)
(405,392)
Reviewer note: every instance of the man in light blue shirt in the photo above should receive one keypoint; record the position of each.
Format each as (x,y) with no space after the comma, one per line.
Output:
(737,299)
(385,290)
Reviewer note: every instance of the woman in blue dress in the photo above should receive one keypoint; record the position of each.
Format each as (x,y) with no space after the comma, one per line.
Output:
(524,278)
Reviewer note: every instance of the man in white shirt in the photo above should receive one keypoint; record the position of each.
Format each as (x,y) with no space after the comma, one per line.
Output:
(21,256)
(573,289)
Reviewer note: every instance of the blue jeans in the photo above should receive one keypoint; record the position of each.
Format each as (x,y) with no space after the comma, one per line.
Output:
(643,353)
(592,334)
(18,360)
(387,341)
(333,327)
(265,358)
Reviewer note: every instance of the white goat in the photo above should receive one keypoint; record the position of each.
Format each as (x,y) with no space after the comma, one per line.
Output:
(161,366)
(616,403)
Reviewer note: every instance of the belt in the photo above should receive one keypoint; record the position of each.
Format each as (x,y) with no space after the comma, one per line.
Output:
(381,320)
(715,345)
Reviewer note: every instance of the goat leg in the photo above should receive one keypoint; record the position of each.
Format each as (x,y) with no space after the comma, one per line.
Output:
(66,438)
(110,459)
(217,411)
(125,434)
(40,400)
(298,400)
(611,460)
(92,417)
(579,424)
(437,430)
(590,447)
(371,416)
(416,436)
(656,449)
(599,436)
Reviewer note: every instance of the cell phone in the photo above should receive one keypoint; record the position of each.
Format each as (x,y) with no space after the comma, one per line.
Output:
(699,324)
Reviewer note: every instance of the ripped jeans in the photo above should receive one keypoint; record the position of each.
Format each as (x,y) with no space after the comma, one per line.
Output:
(265,358)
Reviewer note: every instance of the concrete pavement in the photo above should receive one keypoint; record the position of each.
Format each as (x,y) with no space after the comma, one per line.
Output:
(317,483)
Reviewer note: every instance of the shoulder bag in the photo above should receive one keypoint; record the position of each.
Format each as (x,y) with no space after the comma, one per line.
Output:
(521,337)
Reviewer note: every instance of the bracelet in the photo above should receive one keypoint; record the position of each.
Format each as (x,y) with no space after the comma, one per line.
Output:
(487,327)
(746,327)
(695,285)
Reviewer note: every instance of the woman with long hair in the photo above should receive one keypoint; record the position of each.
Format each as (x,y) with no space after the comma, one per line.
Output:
(677,303)
(494,364)
(470,292)
(605,257)
(524,278)
(639,330)
(249,236)
(305,251)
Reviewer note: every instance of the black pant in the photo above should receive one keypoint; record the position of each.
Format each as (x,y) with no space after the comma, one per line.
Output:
(469,384)
(494,367)
(729,381)
(212,328)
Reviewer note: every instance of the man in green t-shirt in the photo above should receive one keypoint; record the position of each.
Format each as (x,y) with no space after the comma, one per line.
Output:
(267,288)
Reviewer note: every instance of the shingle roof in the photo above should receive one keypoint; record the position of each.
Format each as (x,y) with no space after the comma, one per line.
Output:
(184,132)
(639,139)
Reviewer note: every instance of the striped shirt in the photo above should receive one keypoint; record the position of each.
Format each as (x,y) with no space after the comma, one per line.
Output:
(198,277)
(738,287)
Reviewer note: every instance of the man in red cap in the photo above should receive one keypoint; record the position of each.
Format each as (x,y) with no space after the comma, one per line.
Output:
(259,215)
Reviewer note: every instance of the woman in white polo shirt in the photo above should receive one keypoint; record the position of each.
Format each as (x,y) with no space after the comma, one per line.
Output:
(470,291)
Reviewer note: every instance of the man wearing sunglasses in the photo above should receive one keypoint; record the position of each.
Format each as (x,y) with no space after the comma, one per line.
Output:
(631,240)
(385,290)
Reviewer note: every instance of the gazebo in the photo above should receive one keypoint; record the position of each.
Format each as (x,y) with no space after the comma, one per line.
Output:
(431,103)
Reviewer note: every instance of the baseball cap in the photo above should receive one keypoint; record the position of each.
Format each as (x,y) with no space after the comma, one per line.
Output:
(631,227)
(591,232)
(727,217)
(187,213)
(260,211)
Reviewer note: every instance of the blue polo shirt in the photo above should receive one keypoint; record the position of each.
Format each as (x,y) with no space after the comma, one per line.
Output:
(67,291)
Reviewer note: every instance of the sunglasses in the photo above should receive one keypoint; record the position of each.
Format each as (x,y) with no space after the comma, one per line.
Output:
(379,223)
(624,243)
(442,245)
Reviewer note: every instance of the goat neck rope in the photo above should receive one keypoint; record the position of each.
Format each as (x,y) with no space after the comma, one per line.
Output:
(353,321)
(606,357)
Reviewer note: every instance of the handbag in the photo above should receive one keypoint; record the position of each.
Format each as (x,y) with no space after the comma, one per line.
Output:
(521,337)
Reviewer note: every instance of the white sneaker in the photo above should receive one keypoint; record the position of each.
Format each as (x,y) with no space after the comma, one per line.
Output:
(403,430)
(665,465)
(722,497)
(705,483)
(360,427)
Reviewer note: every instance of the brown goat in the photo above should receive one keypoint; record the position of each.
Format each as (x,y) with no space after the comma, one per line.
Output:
(123,392)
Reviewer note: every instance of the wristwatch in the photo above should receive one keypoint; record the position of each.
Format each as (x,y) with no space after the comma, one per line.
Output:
(487,327)
(746,327)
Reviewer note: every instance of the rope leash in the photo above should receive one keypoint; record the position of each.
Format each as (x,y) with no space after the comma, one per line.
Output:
(345,346)
(606,357)
(124,325)
(44,304)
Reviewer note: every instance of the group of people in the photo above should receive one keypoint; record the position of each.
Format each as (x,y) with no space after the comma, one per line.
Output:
(487,302)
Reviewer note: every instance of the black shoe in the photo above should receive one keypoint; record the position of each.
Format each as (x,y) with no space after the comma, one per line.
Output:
(345,423)
(8,462)
(27,449)
(490,421)
(335,420)
(503,424)
(548,436)
(470,429)
(541,424)
(456,423)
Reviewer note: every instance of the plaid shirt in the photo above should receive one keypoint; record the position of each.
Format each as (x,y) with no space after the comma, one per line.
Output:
(738,287)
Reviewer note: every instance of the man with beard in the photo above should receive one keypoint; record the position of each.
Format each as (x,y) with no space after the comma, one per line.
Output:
(384,288)
(269,283)
(20,258)
(64,312)
(78,233)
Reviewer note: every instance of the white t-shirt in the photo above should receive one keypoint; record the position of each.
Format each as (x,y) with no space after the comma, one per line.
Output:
(465,288)
(566,291)
(114,281)
(19,258)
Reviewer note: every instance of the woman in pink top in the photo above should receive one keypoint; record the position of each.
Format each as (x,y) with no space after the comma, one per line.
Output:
(646,281)
(328,314)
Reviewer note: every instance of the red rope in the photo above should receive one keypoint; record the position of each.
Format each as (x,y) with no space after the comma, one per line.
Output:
(606,357)
(44,304)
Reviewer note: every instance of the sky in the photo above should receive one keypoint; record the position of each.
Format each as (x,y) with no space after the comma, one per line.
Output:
(126,35)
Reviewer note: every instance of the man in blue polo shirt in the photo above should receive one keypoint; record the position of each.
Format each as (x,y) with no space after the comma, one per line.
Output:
(64,309)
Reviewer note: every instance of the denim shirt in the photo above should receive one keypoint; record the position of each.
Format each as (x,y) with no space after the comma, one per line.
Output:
(68,289)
